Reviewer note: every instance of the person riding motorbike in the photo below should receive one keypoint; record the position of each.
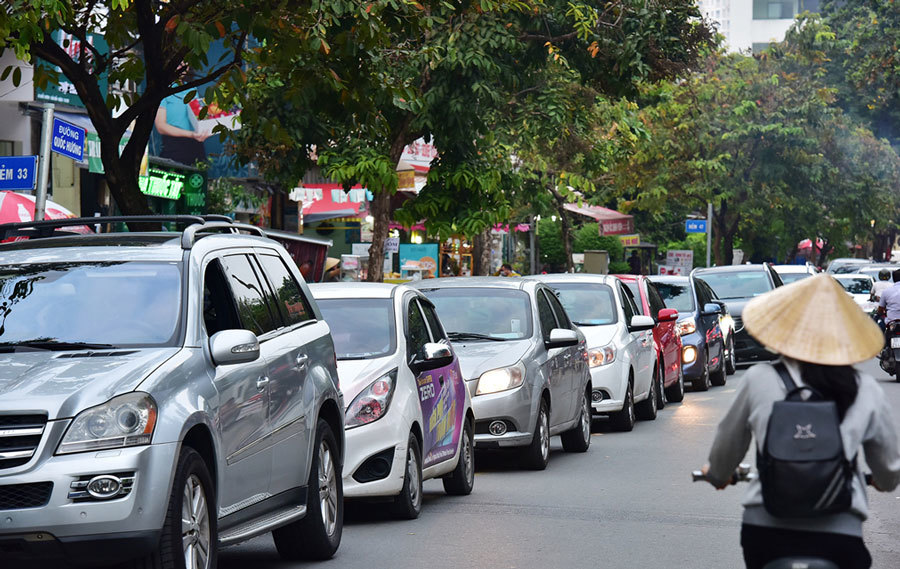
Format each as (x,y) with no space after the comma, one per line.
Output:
(883,283)
(820,333)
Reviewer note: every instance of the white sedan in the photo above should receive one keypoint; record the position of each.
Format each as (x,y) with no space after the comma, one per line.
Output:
(619,342)
(408,413)
(858,286)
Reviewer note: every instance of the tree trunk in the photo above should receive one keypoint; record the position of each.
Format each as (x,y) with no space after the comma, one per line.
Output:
(481,253)
(381,211)
(565,230)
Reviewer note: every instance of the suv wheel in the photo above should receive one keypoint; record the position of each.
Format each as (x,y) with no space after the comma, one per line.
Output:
(646,409)
(461,481)
(318,534)
(624,420)
(720,376)
(189,533)
(731,360)
(408,504)
(537,454)
(578,438)
(702,383)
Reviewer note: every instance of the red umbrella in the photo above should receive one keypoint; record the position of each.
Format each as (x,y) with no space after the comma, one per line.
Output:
(807,244)
(15,207)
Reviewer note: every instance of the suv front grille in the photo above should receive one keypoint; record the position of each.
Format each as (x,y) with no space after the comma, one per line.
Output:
(20,436)
(18,496)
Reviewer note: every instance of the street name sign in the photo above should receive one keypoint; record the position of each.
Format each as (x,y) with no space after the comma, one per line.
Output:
(695,226)
(18,172)
(68,140)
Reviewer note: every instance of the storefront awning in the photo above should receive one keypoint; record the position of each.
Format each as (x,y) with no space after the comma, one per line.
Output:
(611,221)
(328,201)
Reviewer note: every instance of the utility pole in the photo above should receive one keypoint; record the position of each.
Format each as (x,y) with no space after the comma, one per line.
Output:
(709,222)
(40,195)
(533,244)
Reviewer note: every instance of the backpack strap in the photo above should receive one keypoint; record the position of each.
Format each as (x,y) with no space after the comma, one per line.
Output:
(786,378)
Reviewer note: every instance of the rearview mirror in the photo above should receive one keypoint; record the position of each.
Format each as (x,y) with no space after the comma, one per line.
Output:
(667,315)
(431,356)
(230,347)
(561,338)
(711,308)
(641,323)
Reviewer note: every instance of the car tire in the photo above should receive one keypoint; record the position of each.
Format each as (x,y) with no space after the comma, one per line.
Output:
(537,454)
(702,383)
(719,377)
(408,503)
(578,438)
(731,360)
(623,420)
(675,392)
(193,495)
(461,481)
(318,534)
(661,398)
(647,410)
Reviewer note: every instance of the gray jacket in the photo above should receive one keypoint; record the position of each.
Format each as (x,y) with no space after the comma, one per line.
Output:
(867,424)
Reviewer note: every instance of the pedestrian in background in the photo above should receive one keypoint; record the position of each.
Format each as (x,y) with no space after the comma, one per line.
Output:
(634,262)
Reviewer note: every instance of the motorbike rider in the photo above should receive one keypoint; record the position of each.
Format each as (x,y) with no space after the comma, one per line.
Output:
(884,282)
(821,334)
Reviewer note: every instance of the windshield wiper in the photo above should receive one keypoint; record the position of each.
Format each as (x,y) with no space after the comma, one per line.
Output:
(53,345)
(473,336)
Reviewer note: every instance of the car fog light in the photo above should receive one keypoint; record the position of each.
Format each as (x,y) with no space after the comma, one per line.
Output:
(596,396)
(497,428)
(689,354)
(104,487)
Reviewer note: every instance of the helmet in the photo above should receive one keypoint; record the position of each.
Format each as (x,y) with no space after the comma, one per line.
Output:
(884,275)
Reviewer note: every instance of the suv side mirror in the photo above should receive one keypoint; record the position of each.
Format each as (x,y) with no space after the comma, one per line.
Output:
(711,308)
(561,338)
(641,323)
(431,356)
(230,347)
(667,315)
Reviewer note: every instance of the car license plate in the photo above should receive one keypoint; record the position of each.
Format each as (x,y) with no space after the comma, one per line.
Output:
(895,342)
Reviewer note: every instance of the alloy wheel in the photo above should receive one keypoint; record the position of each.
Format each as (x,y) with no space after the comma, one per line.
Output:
(544,432)
(195,525)
(412,472)
(327,488)
(586,419)
(468,458)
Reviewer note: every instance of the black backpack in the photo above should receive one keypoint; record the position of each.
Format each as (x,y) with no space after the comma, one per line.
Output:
(802,467)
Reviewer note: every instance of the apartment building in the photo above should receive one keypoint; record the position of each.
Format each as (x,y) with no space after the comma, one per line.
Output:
(750,25)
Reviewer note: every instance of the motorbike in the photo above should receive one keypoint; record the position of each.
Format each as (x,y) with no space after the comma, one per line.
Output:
(890,354)
(744,474)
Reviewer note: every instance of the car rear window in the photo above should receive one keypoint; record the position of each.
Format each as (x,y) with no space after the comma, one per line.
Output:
(738,284)
(676,295)
(362,328)
(588,304)
(502,314)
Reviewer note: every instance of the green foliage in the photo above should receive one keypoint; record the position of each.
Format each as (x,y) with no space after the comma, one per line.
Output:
(619,268)
(588,238)
(224,195)
(550,245)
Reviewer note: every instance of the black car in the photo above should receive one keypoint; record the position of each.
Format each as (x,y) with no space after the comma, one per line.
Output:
(736,285)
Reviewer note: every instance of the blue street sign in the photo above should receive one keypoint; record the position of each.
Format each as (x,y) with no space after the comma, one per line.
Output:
(695,226)
(18,172)
(68,140)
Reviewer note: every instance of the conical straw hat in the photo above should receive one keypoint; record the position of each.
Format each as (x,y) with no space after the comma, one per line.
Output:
(813,320)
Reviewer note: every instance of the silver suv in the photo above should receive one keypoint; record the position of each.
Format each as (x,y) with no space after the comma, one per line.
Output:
(162,395)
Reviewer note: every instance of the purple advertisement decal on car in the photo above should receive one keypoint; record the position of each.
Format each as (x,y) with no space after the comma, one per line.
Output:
(442,397)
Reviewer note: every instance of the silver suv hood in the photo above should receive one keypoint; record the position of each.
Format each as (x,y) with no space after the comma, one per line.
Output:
(62,384)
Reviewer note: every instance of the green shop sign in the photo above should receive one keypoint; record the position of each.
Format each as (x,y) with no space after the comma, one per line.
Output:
(167,184)
(92,152)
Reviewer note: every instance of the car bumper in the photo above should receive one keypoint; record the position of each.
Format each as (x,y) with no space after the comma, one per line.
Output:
(368,443)
(611,381)
(515,408)
(746,348)
(129,525)
(694,369)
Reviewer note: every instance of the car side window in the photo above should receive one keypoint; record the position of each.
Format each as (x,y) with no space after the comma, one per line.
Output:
(545,314)
(218,306)
(627,304)
(710,292)
(561,316)
(656,301)
(776,278)
(253,310)
(288,296)
(632,287)
(416,329)
(703,297)
(437,331)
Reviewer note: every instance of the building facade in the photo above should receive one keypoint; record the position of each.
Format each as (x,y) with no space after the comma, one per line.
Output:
(750,25)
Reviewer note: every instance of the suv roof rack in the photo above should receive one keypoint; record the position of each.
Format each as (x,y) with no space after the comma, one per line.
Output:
(194,226)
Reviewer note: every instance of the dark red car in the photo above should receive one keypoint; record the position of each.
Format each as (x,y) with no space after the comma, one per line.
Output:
(666,340)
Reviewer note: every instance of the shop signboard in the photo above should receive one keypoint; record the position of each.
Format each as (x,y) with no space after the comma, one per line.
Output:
(418,261)
(672,270)
(17,172)
(64,91)
(630,240)
(170,184)
(680,258)
(392,245)
(360,249)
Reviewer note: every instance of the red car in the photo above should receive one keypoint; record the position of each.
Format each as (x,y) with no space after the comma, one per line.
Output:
(666,340)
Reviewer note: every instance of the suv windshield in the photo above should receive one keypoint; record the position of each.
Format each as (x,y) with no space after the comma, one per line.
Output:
(788,278)
(738,284)
(677,296)
(362,328)
(102,303)
(495,313)
(588,304)
(856,285)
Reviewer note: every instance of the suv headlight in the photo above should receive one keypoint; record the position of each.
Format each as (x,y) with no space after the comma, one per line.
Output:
(372,402)
(124,421)
(686,326)
(602,356)
(501,379)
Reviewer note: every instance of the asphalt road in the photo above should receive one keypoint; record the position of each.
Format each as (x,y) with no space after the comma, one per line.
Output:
(627,502)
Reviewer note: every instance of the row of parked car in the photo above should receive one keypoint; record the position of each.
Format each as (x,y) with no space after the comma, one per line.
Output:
(164,394)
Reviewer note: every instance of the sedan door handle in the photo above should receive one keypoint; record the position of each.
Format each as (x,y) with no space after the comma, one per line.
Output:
(441,380)
(301,361)
(261,383)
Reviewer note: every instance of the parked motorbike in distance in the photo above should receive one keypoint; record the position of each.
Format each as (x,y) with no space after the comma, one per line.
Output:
(890,354)
(744,474)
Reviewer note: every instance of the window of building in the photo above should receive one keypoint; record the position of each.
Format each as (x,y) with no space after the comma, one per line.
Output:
(782,9)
